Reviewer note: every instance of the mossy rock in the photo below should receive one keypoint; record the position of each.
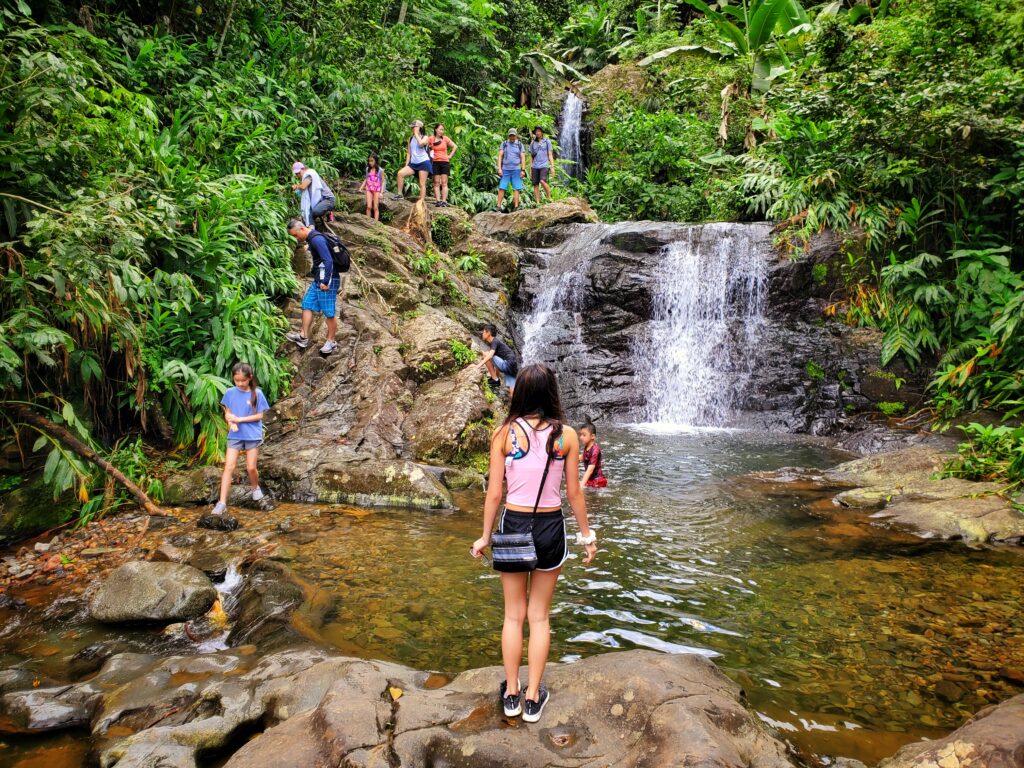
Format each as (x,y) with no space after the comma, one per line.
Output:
(31,508)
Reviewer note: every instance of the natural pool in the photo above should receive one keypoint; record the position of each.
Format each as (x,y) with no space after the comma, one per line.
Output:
(850,640)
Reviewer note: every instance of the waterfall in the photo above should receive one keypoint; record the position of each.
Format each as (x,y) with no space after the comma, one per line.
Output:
(707,315)
(649,321)
(570,122)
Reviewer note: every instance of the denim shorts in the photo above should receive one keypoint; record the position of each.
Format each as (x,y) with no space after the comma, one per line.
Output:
(244,445)
(324,302)
(514,178)
(502,366)
(424,166)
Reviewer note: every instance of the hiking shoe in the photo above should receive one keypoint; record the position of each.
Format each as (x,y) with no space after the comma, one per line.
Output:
(298,338)
(512,703)
(532,709)
(328,347)
(257,494)
(220,508)
(396,196)
(494,384)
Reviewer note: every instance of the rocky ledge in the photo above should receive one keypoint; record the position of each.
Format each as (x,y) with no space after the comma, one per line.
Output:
(371,423)
(636,708)
(903,488)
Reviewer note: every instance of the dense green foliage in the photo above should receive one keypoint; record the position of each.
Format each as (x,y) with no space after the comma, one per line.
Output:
(144,191)
(147,149)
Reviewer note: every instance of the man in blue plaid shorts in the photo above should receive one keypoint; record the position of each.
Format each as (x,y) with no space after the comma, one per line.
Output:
(322,294)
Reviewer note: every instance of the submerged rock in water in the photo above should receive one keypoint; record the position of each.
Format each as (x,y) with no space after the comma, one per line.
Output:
(144,591)
(632,708)
(902,488)
(218,522)
(993,738)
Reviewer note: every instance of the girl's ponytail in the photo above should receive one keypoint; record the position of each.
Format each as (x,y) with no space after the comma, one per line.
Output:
(246,370)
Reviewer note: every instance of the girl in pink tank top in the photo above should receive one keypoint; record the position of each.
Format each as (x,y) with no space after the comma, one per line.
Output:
(533,440)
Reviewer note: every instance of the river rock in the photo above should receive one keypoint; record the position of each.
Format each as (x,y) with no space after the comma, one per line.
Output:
(264,606)
(194,486)
(146,591)
(224,522)
(394,483)
(442,411)
(620,709)
(993,738)
(525,227)
(901,488)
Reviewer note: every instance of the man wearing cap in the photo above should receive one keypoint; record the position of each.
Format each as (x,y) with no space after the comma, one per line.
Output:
(317,199)
(511,168)
(417,160)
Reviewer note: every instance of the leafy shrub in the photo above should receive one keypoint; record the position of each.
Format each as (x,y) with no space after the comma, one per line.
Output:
(471,261)
(891,408)
(990,452)
(463,354)
(441,232)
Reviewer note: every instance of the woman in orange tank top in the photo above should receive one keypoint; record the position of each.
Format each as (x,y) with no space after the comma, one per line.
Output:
(533,438)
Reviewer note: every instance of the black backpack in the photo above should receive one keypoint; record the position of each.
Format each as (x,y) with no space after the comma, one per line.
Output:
(339,253)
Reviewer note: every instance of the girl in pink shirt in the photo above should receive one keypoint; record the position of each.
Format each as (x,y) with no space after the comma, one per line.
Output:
(373,185)
(532,452)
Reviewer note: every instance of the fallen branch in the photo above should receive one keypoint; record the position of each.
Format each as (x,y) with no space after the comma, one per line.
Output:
(72,443)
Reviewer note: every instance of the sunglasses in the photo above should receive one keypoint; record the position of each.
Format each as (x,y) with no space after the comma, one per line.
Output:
(483,557)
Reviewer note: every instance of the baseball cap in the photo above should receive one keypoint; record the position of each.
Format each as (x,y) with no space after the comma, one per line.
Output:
(416,124)
(513,132)
(297,166)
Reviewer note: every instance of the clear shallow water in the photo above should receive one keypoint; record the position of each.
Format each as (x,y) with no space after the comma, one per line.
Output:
(850,640)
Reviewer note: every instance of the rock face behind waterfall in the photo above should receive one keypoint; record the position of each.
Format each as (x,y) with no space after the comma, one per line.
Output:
(592,298)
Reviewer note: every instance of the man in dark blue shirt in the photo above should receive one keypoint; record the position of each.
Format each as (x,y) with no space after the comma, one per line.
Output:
(322,294)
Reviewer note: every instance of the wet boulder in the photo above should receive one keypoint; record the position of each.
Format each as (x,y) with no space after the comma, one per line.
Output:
(993,738)
(429,340)
(145,591)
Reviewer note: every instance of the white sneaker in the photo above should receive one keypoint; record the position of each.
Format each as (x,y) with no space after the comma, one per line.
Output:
(220,508)
(257,494)
(328,347)
(298,338)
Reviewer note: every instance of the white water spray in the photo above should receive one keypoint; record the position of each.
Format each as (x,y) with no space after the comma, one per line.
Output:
(570,123)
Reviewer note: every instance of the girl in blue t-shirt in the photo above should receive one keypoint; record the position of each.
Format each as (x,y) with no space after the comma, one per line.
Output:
(244,406)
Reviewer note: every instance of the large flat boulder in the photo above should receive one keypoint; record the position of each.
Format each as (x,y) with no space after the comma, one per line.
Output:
(903,489)
(993,738)
(524,227)
(441,413)
(636,708)
(145,591)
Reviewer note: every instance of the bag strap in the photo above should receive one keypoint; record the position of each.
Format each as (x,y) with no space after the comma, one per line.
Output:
(543,479)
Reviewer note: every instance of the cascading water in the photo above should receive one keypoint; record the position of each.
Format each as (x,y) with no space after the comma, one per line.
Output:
(648,321)
(570,124)
(707,316)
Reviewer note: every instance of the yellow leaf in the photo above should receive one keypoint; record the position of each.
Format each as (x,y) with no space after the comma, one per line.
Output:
(396,693)
(83,493)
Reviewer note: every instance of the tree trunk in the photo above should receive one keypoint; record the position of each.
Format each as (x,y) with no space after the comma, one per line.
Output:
(224,32)
(402,10)
(69,441)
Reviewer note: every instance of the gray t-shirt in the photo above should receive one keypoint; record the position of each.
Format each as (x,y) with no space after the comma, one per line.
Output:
(540,150)
(513,158)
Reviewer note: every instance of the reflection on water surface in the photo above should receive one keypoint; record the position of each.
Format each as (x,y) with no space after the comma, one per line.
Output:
(849,640)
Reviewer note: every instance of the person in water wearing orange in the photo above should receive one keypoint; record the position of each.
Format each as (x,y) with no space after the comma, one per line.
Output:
(593,476)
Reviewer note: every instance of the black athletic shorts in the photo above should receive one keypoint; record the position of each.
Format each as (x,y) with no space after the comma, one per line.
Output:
(538,175)
(442,168)
(548,535)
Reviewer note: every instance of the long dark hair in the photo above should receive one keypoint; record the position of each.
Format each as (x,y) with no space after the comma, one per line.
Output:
(246,370)
(376,162)
(436,127)
(536,394)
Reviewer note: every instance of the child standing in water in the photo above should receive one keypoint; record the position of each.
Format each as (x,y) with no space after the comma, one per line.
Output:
(593,477)
(244,405)
(373,185)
